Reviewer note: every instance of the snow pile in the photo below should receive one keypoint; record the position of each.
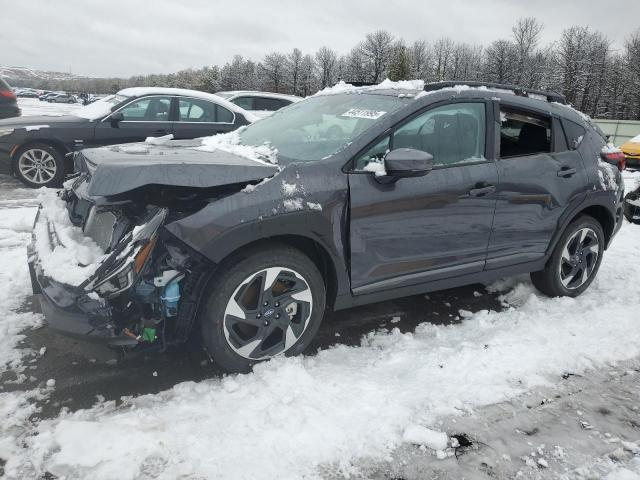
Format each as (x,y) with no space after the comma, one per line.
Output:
(419,435)
(348,403)
(610,148)
(15,231)
(75,256)
(342,87)
(230,142)
(31,128)
(132,148)
(377,167)
(158,140)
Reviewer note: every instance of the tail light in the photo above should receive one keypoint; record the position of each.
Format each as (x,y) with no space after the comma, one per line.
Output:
(8,94)
(615,158)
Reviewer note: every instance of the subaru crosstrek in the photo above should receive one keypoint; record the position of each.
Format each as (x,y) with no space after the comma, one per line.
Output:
(352,196)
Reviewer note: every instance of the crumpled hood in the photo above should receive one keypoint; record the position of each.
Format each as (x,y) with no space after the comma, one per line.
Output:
(120,168)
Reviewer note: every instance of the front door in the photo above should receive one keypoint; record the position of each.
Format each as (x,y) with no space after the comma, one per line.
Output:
(415,230)
(145,117)
(539,178)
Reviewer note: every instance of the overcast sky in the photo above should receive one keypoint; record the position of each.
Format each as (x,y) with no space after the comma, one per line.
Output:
(123,38)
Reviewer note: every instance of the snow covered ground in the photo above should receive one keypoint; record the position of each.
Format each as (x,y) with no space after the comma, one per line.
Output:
(543,388)
(33,106)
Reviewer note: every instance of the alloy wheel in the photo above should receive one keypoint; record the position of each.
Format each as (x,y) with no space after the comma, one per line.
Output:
(579,258)
(268,313)
(38,166)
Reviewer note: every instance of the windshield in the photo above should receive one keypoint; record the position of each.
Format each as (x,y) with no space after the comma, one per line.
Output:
(320,126)
(100,108)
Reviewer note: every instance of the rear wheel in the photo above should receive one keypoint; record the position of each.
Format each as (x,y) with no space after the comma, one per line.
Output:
(39,165)
(575,260)
(632,206)
(263,303)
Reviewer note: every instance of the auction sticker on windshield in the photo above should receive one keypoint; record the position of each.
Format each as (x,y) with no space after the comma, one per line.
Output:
(363,113)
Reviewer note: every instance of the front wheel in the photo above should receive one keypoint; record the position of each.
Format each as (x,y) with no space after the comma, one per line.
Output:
(265,302)
(575,260)
(39,165)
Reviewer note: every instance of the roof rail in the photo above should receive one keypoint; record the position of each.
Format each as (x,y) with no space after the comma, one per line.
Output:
(519,91)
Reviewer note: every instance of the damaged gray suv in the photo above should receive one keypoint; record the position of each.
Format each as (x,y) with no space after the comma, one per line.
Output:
(353,196)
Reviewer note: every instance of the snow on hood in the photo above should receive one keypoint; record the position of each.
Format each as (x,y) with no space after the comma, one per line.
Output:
(94,111)
(230,142)
(76,256)
(635,139)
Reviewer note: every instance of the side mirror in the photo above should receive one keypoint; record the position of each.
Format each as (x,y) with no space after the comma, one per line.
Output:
(116,118)
(407,162)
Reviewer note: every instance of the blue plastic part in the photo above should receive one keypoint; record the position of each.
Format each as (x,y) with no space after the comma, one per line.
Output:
(170,298)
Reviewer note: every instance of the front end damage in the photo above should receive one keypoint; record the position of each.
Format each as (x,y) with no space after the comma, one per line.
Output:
(142,292)
(103,264)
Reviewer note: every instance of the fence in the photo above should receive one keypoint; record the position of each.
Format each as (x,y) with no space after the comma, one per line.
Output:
(619,130)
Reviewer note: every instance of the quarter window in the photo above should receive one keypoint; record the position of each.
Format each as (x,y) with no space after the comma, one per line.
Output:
(522,133)
(149,109)
(575,133)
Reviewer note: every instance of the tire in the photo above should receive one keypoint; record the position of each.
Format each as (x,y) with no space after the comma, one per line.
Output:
(39,165)
(239,329)
(632,212)
(575,260)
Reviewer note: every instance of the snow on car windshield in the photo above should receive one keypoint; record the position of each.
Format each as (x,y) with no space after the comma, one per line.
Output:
(99,108)
(320,126)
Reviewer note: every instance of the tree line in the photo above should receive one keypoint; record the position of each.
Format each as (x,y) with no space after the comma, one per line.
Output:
(582,64)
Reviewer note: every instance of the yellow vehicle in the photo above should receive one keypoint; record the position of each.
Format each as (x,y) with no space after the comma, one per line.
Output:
(631,150)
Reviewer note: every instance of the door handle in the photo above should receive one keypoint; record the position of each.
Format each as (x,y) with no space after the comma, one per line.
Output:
(566,172)
(481,191)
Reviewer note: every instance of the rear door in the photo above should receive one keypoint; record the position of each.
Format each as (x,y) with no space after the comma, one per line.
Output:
(540,177)
(197,117)
(144,117)
(426,228)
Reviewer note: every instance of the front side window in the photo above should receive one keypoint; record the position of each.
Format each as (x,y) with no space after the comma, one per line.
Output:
(452,133)
(320,126)
(196,110)
(522,133)
(149,109)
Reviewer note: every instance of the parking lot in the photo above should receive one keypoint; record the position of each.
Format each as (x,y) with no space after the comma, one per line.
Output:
(526,385)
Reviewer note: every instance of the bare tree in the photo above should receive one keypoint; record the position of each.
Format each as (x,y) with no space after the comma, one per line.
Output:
(326,59)
(420,60)
(376,48)
(526,33)
(442,53)
(293,65)
(273,68)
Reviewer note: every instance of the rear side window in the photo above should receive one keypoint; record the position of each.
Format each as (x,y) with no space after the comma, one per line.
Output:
(575,133)
(244,102)
(270,104)
(196,110)
(522,133)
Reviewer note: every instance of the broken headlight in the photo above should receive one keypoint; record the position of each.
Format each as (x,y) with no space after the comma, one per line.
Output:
(117,273)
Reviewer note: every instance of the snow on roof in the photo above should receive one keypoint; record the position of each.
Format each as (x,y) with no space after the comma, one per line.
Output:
(139,91)
(342,87)
(255,93)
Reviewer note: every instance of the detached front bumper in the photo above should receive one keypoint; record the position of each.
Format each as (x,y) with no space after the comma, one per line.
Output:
(68,309)
(87,310)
